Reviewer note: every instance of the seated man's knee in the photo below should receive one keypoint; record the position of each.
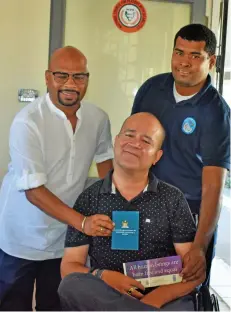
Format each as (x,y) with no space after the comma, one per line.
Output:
(74,289)
(67,287)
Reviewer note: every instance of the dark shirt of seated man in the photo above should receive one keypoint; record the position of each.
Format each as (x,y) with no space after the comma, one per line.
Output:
(166,224)
(165,219)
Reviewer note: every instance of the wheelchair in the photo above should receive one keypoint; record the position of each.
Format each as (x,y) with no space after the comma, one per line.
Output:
(204,301)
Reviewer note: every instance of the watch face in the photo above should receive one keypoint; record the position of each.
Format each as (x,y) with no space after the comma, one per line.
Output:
(27,95)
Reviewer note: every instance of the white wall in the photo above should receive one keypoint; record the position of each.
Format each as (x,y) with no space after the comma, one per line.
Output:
(24,33)
(120,62)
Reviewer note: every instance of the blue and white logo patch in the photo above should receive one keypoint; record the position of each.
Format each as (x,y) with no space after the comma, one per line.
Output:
(189,125)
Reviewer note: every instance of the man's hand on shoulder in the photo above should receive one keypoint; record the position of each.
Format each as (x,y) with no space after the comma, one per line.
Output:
(194,264)
(122,283)
(98,225)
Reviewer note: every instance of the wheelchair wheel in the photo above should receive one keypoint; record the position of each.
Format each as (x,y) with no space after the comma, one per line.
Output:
(207,302)
(215,303)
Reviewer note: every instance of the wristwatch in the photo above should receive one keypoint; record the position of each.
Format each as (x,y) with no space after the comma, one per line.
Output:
(99,273)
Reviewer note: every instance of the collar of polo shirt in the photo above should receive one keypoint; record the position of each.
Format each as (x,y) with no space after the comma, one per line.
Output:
(168,83)
(113,188)
(109,187)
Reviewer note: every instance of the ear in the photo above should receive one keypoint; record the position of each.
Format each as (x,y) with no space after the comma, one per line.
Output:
(212,61)
(116,139)
(46,77)
(158,156)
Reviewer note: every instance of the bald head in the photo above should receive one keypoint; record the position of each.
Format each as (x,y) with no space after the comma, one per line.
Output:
(146,121)
(67,55)
(67,78)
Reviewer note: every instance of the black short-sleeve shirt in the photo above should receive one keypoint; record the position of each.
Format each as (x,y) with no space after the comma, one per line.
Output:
(165,218)
(197,132)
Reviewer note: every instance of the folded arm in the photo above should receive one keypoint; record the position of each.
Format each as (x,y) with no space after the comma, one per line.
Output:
(74,260)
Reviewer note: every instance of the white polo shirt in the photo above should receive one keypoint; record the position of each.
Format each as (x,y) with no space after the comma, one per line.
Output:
(45,151)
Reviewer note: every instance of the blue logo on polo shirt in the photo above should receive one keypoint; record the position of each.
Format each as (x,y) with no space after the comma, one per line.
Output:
(189,125)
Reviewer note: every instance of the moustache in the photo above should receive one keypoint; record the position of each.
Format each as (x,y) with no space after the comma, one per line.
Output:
(132,151)
(69,90)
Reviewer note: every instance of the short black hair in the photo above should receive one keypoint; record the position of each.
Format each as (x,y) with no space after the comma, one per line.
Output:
(198,32)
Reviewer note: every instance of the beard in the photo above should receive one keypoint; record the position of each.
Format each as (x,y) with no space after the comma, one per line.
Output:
(68,102)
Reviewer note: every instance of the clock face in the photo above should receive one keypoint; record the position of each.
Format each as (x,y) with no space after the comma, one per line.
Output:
(27,95)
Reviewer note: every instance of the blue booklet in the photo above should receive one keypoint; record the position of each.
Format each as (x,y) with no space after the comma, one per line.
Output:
(125,235)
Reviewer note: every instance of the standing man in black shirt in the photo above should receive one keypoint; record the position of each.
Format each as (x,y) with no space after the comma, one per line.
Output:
(196,120)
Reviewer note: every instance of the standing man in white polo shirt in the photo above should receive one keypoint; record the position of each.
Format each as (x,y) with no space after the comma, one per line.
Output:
(53,142)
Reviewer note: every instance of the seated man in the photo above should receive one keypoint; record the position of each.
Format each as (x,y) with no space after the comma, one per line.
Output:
(170,229)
